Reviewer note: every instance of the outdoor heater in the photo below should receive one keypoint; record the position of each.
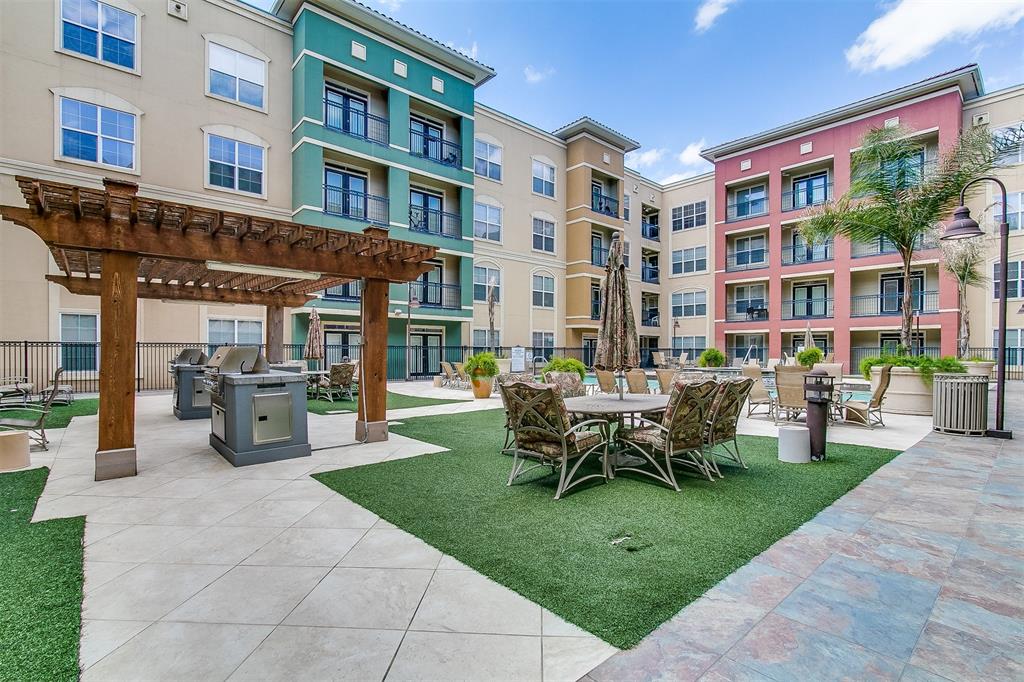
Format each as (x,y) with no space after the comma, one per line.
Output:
(818,388)
(258,414)
(191,399)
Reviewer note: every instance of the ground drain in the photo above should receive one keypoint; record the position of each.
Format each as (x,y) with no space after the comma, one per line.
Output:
(628,542)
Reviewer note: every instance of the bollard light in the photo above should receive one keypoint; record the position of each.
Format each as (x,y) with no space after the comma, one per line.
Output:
(818,388)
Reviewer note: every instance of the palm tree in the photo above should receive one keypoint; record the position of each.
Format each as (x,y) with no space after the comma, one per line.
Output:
(898,197)
(963,259)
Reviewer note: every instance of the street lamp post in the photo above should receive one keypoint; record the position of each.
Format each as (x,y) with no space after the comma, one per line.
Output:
(965,227)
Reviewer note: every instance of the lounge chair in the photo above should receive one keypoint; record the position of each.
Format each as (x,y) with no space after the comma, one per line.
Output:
(772,364)
(789,393)
(869,413)
(460,370)
(543,432)
(606,381)
(451,377)
(738,362)
(339,382)
(659,359)
(835,370)
(15,389)
(677,438)
(684,359)
(665,378)
(720,431)
(636,381)
(14,419)
(759,395)
(569,384)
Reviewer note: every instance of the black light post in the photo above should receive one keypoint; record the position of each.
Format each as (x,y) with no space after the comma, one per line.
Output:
(965,227)
(818,389)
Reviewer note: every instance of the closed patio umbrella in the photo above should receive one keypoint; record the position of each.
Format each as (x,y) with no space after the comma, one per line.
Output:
(314,349)
(618,347)
(808,337)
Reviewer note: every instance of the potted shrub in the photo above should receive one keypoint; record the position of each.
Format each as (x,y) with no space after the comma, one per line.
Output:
(910,380)
(711,357)
(810,357)
(482,368)
(979,366)
(566,365)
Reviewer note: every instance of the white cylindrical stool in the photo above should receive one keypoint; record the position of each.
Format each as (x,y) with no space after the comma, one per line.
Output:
(14,450)
(794,445)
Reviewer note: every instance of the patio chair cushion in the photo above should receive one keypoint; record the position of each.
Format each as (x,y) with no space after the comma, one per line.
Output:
(645,436)
(18,423)
(580,442)
(568,384)
(725,409)
(509,377)
(539,423)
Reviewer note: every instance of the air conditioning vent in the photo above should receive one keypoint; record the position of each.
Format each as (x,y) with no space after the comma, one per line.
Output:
(980,119)
(178,9)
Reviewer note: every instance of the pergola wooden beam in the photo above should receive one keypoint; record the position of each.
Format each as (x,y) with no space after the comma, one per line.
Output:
(167,292)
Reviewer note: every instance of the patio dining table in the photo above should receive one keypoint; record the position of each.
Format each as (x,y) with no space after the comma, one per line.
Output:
(610,407)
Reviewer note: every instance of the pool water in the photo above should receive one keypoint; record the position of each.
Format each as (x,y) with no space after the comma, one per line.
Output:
(651,383)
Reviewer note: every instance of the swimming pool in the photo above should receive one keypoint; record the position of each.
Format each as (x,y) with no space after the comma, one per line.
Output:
(651,383)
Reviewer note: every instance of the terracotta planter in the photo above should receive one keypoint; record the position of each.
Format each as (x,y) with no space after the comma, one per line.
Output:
(981,368)
(482,387)
(907,392)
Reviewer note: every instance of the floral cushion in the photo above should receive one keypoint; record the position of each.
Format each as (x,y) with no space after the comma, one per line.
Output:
(687,412)
(644,436)
(537,414)
(581,442)
(568,384)
(342,373)
(509,377)
(725,411)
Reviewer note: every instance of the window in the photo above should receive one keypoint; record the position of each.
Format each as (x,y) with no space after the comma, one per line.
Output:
(98,30)
(236,76)
(487,222)
(1014,153)
(79,335)
(235,165)
(96,134)
(1014,210)
(749,250)
(482,278)
(543,178)
(695,215)
(1014,279)
(690,304)
(543,235)
(748,296)
(481,342)
(228,332)
(677,218)
(1014,346)
(487,160)
(543,343)
(750,201)
(625,207)
(692,345)
(543,291)
(685,261)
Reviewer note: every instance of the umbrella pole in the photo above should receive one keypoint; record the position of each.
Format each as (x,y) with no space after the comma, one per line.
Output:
(618,382)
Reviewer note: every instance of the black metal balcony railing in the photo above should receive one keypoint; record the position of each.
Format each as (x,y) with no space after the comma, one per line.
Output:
(806,196)
(748,208)
(650,231)
(746,260)
(796,255)
(432,221)
(355,205)
(649,273)
(595,311)
(350,291)
(755,311)
(807,308)
(436,295)
(434,148)
(750,353)
(604,205)
(884,246)
(356,123)
(858,353)
(892,304)
(598,256)
(650,318)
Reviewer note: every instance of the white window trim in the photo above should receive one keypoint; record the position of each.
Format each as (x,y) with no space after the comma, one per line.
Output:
(236,320)
(554,338)
(547,217)
(682,210)
(238,45)
(238,135)
(489,265)
(58,36)
(554,289)
(80,373)
(489,201)
(551,164)
(494,142)
(97,98)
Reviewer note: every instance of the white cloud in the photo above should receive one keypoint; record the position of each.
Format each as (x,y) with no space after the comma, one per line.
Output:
(676,177)
(645,159)
(537,75)
(690,156)
(470,51)
(708,13)
(391,5)
(911,29)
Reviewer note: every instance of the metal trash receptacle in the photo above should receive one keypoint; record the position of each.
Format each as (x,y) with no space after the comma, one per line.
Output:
(960,404)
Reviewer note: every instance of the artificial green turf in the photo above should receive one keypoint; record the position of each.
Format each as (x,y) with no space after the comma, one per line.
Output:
(60,415)
(560,554)
(40,585)
(396,401)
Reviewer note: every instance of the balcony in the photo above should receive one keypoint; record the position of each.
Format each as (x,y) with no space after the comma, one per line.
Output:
(344,119)
(649,273)
(798,255)
(881,247)
(758,353)
(432,221)
(595,310)
(807,308)
(605,205)
(350,291)
(436,295)
(755,311)
(650,231)
(650,318)
(355,205)
(806,196)
(875,305)
(739,261)
(435,149)
(598,256)
(749,208)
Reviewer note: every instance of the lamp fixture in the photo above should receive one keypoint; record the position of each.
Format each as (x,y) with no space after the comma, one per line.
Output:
(261,270)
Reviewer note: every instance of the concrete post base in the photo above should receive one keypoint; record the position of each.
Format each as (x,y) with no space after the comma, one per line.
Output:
(115,464)
(371,432)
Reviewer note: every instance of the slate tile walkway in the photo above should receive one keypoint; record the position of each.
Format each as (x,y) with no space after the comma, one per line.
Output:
(917,574)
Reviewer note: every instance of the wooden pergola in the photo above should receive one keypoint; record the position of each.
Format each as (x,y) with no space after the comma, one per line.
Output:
(119,246)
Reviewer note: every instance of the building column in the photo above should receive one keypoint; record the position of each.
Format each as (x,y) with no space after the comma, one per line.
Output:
(275,334)
(398,119)
(371,419)
(115,452)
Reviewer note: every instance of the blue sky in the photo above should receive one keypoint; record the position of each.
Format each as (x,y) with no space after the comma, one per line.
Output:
(678,75)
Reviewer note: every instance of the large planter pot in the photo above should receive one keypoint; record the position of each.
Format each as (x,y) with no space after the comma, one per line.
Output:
(907,392)
(482,387)
(981,368)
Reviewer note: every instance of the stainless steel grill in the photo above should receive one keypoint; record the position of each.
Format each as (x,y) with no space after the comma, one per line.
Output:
(191,399)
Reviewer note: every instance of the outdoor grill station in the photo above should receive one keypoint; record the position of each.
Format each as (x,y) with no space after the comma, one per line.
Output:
(191,399)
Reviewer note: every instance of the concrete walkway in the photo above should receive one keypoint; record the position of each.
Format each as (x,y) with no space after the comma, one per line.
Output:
(916,574)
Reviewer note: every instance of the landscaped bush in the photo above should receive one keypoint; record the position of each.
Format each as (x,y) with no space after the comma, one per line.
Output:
(808,357)
(924,364)
(711,357)
(566,365)
(481,365)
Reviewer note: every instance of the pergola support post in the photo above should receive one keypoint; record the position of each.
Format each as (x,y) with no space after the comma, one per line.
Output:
(371,421)
(115,452)
(275,334)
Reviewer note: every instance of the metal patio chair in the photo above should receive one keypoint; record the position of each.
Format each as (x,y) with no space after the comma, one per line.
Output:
(720,430)
(35,423)
(869,413)
(759,394)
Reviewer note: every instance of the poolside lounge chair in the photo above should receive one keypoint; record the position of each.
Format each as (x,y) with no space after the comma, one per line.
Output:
(677,439)
(606,381)
(460,370)
(772,363)
(15,389)
(665,378)
(835,370)
(339,381)
(35,422)
(720,431)
(758,395)
(451,377)
(789,393)
(636,381)
(544,433)
(869,413)
(569,384)
(659,359)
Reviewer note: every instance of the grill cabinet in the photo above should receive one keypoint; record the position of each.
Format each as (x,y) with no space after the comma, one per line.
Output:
(191,399)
